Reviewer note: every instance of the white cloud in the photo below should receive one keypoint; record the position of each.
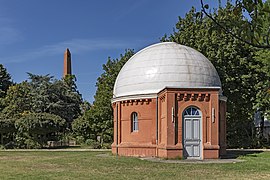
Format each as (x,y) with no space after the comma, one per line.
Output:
(8,34)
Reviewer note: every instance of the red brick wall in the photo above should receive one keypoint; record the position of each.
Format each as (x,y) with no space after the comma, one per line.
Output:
(143,142)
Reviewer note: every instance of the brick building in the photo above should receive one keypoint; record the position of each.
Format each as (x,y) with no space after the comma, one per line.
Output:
(168,103)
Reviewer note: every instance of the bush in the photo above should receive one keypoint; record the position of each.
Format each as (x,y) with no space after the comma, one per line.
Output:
(79,139)
(93,144)
(31,144)
(25,141)
(35,129)
(10,145)
(106,146)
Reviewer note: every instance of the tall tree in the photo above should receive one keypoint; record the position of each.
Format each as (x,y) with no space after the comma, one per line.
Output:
(100,115)
(43,94)
(235,62)
(252,29)
(40,95)
(262,101)
(17,101)
(5,80)
(7,128)
(59,97)
(35,129)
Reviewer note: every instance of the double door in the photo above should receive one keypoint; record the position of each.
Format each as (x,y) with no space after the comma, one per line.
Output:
(192,140)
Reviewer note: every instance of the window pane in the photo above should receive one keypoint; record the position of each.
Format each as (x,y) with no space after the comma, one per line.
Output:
(136,126)
(189,111)
(193,111)
(135,122)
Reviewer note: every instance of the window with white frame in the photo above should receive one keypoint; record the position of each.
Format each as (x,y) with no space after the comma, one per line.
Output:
(192,111)
(134,122)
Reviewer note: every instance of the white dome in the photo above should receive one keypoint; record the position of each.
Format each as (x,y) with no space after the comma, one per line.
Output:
(166,64)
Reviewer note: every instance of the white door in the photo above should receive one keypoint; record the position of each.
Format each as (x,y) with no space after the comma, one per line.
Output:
(192,140)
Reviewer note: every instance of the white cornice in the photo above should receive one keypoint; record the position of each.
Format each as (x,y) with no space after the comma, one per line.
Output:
(131,97)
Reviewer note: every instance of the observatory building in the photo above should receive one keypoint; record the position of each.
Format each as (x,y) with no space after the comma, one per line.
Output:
(168,102)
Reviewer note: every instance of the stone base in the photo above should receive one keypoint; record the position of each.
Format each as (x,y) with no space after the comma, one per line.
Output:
(170,152)
(134,150)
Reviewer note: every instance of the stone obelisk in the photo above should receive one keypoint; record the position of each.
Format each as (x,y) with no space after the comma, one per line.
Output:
(67,63)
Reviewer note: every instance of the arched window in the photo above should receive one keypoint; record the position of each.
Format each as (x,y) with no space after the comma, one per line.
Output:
(192,111)
(134,122)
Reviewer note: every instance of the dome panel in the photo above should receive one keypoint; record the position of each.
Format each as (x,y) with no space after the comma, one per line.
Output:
(165,65)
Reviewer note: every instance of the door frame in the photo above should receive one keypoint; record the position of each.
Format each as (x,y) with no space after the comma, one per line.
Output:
(200,133)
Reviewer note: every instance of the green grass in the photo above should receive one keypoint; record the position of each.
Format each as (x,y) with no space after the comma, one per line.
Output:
(94,165)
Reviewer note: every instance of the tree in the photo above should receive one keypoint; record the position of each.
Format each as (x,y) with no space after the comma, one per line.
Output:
(100,115)
(262,101)
(37,101)
(59,97)
(70,81)
(5,80)
(64,101)
(40,92)
(35,129)
(85,107)
(82,129)
(17,101)
(42,97)
(7,128)
(254,30)
(235,62)
(254,14)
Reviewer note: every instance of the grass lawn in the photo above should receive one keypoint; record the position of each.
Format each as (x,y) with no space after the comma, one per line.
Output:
(94,165)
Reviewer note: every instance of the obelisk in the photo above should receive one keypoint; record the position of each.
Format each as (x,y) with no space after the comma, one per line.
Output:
(67,63)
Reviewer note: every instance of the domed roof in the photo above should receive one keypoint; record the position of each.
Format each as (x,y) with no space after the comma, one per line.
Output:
(166,64)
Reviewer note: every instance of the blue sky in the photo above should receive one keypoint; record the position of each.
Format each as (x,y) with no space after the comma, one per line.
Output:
(35,33)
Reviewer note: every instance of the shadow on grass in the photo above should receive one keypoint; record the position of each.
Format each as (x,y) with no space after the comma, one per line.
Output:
(235,153)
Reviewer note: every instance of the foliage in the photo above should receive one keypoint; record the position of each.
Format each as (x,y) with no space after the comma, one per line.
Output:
(252,28)
(64,101)
(17,100)
(40,123)
(93,144)
(100,116)
(38,104)
(85,107)
(58,97)
(43,94)
(34,129)
(70,81)
(235,61)
(81,128)
(262,101)
(40,92)
(5,80)
(7,129)
(6,125)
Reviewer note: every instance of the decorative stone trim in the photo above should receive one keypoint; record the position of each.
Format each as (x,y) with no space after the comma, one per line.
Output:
(162,98)
(136,102)
(193,97)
